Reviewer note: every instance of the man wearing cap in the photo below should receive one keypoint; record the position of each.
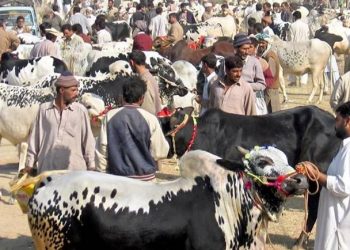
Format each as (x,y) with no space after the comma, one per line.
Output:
(252,71)
(47,46)
(208,13)
(61,136)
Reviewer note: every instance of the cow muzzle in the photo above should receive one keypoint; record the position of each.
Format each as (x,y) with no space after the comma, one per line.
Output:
(295,184)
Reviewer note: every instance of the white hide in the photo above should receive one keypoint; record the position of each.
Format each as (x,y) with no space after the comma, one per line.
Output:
(188,74)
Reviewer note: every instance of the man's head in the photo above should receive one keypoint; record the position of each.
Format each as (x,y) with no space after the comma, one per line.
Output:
(110,4)
(296,15)
(134,90)
(52,34)
(209,63)
(284,6)
(172,18)
(137,58)
(76,9)
(140,7)
(233,67)
(276,7)
(258,28)
(67,88)
(183,7)
(43,28)
(242,44)
(67,30)
(20,22)
(159,10)
(342,121)
(258,7)
(266,7)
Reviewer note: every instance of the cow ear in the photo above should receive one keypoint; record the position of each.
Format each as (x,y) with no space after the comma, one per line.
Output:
(231,165)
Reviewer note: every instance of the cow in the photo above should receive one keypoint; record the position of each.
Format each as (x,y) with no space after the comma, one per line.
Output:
(195,32)
(29,71)
(303,134)
(304,57)
(120,30)
(181,51)
(214,205)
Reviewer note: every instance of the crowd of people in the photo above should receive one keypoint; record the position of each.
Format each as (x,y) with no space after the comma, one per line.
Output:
(131,140)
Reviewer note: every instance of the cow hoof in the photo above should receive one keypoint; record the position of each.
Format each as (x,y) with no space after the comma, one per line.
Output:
(301,242)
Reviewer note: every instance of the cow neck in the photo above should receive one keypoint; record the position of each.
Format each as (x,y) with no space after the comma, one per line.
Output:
(181,126)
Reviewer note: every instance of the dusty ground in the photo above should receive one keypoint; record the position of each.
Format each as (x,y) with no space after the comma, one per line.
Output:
(14,230)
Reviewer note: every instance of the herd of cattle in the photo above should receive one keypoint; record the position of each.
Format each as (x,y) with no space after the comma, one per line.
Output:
(93,210)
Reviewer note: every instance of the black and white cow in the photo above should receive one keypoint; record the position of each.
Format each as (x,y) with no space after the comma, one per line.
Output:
(303,134)
(212,206)
(120,30)
(29,71)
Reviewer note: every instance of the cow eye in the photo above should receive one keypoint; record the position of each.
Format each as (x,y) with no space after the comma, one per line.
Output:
(88,107)
(264,162)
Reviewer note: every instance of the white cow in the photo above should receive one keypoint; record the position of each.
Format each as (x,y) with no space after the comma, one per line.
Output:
(188,74)
(228,26)
(304,57)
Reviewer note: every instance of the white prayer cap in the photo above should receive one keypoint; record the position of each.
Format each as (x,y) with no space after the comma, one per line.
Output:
(208,5)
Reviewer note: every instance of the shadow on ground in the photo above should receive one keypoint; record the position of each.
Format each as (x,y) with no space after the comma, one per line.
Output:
(20,243)
(288,242)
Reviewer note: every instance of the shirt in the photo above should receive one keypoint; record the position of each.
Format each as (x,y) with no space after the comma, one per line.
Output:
(158,26)
(82,20)
(176,33)
(44,48)
(237,99)
(152,102)
(209,80)
(333,218)
(253,74)
(61,141)
(71,49)
(103,36)
(130,142)
(341,91)
(299,31)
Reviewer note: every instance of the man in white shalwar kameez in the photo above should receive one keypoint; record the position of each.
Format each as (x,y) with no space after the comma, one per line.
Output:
(333,218)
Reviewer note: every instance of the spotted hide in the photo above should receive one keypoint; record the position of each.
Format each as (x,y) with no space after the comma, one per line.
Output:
(209,207)
(29,71)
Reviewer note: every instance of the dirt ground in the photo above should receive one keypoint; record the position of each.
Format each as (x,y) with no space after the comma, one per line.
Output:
(15,233)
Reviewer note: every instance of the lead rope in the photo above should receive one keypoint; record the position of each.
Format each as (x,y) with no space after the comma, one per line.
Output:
(302,169)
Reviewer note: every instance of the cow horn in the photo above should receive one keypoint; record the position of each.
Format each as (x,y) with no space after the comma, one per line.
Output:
(242,150)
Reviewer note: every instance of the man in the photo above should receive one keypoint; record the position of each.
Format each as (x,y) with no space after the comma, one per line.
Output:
(81,19)
(298,32)
(103,36)
(112,12)
(271,92)
(286,14)
(208,12)
(151,102)
(52,18)
(90,16)
(267,9)
(184,15)
(176,32)
(20,26)
(232,94)
(225,10)
(258,14)
(208,69)
(266,21)
(252,72)
(158,24)
(333,216)
(78,30)
(72,45)
(139,15)
(142,40)
(47,46)
(61,136)
(8,40)
(131,139)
